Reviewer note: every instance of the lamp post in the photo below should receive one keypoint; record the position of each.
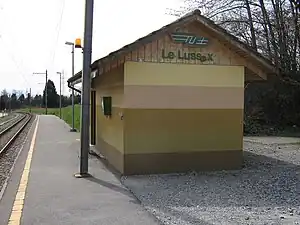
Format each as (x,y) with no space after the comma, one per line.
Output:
(30,100)
(46,90)
(59,94)
(73,49)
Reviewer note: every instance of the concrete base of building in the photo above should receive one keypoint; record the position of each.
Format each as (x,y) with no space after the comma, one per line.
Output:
(156,163)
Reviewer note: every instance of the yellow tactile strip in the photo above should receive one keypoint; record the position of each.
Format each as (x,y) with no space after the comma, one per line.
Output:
(17,210)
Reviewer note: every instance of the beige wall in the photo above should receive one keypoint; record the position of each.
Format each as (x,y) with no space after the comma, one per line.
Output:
(109,131)
(182,108)
(171,109)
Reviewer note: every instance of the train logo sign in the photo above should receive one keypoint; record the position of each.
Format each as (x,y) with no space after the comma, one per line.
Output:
(189,39)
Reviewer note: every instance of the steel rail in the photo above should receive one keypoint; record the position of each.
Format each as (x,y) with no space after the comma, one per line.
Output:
(7,121)
(11,140)
(5,130)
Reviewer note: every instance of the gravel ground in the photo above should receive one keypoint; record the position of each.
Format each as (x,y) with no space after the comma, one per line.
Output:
(2,114)
(7,159)
(265,191)
(4,118)
(9,134)
(7,121)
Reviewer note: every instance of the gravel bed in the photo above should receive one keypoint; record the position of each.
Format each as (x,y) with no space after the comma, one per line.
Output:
(7,158)
(4,118)
(8,116)
(3,114)
(8,121)
(265,191)
(9,134)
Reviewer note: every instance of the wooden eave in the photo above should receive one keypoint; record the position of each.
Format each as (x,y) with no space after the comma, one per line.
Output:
(242,49)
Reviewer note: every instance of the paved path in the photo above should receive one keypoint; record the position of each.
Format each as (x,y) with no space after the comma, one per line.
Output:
(54,196)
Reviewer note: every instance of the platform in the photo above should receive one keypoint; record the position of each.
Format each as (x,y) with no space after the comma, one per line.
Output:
(54,196)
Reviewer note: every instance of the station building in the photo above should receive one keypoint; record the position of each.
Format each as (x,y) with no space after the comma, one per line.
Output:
(173,101)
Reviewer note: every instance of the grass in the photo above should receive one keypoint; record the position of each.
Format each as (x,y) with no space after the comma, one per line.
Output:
(66,114)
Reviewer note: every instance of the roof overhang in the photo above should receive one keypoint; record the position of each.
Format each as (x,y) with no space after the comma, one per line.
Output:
(267,66)
(77,78)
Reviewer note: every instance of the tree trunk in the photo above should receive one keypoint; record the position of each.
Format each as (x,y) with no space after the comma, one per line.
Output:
(253,36)
(271,32)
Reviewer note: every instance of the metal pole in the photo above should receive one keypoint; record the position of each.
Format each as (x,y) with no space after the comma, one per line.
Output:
(30,100)
(9,103)
(59,95)
(86,86)
(62,82)
(46,93)
(73,113)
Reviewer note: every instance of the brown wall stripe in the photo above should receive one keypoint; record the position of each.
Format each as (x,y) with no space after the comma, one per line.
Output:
(183,97)
(182,130)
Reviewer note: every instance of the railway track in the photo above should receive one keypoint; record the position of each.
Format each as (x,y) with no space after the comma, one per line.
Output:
(5,122)
(11,129)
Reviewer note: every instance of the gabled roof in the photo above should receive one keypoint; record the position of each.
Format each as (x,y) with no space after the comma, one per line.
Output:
(190,17)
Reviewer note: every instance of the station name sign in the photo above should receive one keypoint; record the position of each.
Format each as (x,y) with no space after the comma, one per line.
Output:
(208,57)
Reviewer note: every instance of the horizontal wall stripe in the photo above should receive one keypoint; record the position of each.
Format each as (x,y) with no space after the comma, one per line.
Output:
(165,131)
(142,73)
(183,97)
(182,162)
(117,94)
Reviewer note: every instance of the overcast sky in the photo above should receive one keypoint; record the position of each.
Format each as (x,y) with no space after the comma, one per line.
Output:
(33,33)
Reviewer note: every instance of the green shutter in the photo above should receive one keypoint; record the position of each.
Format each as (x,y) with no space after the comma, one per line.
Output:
(107,105)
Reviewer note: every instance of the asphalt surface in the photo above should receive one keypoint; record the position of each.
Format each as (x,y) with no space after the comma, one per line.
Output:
(54,196)
(7,198)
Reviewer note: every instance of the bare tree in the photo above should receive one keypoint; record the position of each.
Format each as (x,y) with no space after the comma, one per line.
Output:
(271,27)
(268,26)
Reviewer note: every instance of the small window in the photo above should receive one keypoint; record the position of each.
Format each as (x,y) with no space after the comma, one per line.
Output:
(106,105)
